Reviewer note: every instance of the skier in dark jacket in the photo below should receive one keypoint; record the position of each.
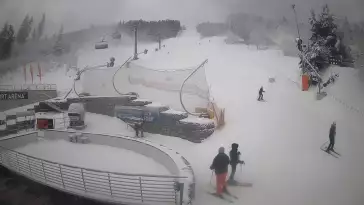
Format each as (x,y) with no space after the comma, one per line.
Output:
(111,63)
(261,91)
(220,166)
(234,161)
(332,135)
(138,127)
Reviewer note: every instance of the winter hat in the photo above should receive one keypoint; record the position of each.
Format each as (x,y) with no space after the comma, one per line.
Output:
(234,146)
(221,150)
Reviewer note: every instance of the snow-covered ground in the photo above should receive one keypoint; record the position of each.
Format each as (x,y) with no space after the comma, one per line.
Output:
(279,139)
(93,156)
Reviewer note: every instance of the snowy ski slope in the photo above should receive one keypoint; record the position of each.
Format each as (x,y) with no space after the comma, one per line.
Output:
(279,139)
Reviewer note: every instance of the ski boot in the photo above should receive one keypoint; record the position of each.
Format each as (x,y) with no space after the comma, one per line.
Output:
(225,190)
(232,182)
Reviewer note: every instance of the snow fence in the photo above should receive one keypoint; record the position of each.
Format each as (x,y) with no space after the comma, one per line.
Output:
(125,188)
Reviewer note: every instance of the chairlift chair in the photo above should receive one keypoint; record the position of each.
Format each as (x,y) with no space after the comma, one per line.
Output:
(102,44)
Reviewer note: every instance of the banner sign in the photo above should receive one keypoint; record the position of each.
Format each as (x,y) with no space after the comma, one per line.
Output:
(13,95)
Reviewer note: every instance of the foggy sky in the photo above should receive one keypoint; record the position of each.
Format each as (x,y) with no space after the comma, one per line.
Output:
(76,14)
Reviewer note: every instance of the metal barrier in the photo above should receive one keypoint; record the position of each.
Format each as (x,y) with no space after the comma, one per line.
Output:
(28,87)
(118,187)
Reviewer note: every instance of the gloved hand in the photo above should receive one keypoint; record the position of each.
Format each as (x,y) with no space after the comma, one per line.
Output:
(242,162)
(211,167)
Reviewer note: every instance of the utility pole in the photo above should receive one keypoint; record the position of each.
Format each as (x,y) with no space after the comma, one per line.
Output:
(136,42)
(295,15)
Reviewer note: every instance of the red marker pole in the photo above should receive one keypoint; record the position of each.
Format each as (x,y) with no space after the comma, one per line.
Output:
(31,73)
(40,72)
(25,73)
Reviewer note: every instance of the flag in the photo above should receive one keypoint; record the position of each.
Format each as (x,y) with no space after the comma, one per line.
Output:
(31,72)
(40,72)
(25,73)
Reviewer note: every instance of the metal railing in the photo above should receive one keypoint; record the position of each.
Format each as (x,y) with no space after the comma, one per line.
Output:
(116,187)
(28,87)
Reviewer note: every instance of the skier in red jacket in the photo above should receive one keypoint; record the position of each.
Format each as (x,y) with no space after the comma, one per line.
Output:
(220,165)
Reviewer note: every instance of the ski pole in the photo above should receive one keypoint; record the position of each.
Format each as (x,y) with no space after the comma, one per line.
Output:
(212,174)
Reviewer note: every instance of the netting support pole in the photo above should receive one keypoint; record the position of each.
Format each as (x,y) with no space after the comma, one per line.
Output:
(183,84)
(113,77)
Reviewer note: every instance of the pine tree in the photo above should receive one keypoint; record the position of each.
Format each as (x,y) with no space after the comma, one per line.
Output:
(323,25)
(24,30)
(34,35)
(6,41)
(41,27)
(58,47)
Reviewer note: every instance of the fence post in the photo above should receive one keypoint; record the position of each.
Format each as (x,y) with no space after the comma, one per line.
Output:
(1,155)
(30,169)
(83,180)
(60,171)
(45,177)
(181,187)
(108,175)
(17,162)
(141,189)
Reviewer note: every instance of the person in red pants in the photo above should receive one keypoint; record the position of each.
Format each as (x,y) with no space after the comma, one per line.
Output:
(220,166)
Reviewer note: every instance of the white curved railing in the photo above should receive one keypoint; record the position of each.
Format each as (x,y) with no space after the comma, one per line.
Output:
(100,185)
(28,87)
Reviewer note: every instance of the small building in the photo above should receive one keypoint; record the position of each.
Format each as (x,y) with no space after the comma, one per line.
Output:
(76,114)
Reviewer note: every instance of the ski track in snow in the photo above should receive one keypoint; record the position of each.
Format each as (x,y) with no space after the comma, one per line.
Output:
(279,139)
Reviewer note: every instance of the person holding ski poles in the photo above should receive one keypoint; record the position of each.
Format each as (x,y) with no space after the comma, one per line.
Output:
(234,161)
(332,135)
(220,165)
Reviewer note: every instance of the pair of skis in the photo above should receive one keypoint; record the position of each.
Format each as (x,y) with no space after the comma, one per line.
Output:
(226,197)
(330,152)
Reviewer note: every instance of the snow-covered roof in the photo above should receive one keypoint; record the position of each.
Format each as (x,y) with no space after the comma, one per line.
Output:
(175,112)
(57,100)
(49,115)
(156,104)
(76,108)
(197,120)
(141,100)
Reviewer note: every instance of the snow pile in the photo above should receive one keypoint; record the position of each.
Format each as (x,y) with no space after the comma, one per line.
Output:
(156,105)
(197,120)
(141,100)
(174,112)
(178,115)
(98,157)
